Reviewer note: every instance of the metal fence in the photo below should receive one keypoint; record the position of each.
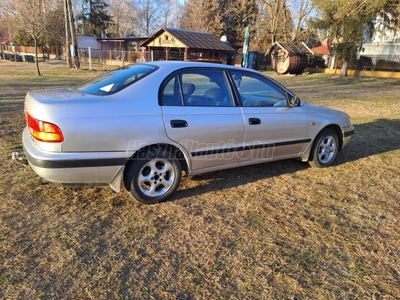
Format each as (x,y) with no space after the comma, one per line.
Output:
(111,57)
(377,63)
(120,58)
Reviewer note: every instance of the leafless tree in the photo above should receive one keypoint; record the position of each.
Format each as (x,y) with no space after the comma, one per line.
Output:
(277,18)
(4,28)
(301,12)
(148,12)
(123,15)
(30,17)
(171,15)
(274,23)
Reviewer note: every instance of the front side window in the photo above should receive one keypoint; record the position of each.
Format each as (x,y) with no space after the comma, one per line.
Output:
(117,80)
(258,91)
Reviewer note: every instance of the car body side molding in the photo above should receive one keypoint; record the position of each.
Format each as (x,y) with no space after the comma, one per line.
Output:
(244,148)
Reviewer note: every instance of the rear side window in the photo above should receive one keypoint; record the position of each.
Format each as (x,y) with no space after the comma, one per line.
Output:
(172,95)
(117,80)
(198,87)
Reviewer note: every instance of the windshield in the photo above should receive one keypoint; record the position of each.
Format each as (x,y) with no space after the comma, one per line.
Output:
(117,80)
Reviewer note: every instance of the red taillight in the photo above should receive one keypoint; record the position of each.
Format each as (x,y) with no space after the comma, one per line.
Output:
(44,131)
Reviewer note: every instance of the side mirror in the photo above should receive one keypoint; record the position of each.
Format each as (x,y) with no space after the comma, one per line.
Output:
(294,101)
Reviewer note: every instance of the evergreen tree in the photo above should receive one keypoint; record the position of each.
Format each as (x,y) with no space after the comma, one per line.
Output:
(345,23)
(55,33)
(220,17)
(202,15)
(94,18)
(238,15)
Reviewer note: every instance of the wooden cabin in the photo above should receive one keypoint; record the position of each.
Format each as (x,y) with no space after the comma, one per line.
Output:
(188,45)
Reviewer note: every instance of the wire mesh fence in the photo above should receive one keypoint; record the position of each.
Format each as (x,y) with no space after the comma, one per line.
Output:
(102,58)
(110,57)
(377,63)
(121,58)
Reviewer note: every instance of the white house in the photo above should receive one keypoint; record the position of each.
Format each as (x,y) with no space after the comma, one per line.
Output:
(385,40)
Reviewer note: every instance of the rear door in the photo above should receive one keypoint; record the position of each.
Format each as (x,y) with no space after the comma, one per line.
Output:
(272,128)
(200,113)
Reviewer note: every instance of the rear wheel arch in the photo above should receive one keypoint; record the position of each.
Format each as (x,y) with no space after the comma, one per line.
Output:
(163,147)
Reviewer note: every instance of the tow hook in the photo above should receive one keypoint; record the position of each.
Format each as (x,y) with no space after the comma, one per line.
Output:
(18,156)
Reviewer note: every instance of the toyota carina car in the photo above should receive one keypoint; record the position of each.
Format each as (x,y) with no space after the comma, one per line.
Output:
(144,125)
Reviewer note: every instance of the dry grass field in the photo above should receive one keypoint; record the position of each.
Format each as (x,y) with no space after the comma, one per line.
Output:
(274,231)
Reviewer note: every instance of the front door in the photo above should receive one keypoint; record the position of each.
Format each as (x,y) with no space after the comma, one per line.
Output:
(273,129)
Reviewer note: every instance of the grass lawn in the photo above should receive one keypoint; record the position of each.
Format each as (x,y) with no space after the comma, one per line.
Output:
(280,230)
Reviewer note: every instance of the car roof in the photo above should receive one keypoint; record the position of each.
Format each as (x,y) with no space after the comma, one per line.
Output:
(175,65)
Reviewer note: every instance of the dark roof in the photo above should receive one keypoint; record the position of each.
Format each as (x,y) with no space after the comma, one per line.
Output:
(194,39)
(124,39)
(299,48)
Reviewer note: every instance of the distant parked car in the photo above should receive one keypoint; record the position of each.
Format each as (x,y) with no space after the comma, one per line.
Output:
(145,124)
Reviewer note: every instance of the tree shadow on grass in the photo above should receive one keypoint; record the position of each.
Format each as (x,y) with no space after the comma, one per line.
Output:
(370,139)
(235,177)
(380,136)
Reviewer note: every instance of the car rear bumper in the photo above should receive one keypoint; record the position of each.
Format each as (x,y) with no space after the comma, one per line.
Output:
(80,168)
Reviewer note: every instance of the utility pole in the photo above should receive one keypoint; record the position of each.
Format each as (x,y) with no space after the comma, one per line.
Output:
(71,39)
(67,36)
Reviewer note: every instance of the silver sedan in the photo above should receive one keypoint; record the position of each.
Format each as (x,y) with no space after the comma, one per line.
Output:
(146,124)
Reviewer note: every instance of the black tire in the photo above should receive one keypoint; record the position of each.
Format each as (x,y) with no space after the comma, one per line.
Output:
(324,149)
(153,176)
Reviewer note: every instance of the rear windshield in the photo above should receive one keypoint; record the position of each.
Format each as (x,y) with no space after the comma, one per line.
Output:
(117,80)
